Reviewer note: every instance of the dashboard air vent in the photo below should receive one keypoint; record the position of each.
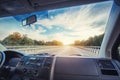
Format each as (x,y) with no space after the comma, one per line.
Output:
(105,64)
(109,72)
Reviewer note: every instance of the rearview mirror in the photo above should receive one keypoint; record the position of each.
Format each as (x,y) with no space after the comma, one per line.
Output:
(29,20)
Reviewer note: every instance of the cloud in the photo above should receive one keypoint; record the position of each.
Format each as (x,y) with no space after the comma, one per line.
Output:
(80,18)
(83,21)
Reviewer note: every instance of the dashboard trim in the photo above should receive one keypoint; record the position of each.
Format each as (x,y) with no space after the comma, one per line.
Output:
(52,69)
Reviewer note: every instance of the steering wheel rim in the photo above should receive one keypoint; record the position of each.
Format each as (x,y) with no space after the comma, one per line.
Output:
(2,58)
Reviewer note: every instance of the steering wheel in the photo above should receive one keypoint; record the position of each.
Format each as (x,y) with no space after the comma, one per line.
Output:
(2,58)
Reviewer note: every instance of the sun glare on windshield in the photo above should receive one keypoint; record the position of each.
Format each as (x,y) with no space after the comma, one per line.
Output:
(75,26)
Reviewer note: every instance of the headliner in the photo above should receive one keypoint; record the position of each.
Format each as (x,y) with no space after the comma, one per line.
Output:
(17,7)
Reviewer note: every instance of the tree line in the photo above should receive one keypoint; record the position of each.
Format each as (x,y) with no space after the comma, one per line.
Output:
(92,41)
(17,39)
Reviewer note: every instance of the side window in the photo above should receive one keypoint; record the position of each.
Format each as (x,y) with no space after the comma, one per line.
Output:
(118,46)
(119,49)
(116,49)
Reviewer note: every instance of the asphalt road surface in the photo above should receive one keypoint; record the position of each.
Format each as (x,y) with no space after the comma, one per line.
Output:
(69,51)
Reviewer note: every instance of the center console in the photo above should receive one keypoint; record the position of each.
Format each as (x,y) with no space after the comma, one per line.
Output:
(35,67)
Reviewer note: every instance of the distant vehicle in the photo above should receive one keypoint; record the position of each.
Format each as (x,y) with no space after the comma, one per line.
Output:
(60,40)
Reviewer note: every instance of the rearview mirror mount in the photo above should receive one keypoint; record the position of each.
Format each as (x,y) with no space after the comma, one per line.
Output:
(29,20)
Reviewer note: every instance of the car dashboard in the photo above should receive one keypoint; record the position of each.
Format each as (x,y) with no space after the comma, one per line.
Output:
(49,67)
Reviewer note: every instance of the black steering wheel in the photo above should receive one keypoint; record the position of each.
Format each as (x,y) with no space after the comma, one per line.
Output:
(7,70)
(2,58)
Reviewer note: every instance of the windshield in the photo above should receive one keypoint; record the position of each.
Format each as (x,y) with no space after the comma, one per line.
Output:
(69,31)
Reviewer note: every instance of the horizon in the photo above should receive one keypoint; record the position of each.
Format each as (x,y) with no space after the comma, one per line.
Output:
(16,35)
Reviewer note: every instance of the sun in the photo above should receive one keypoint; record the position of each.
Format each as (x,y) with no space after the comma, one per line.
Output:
(67,43)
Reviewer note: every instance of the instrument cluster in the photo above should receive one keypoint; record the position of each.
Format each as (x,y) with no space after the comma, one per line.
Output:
(35,67)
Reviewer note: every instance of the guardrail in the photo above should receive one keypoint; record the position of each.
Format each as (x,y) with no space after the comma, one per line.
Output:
(90,50)
(93,49)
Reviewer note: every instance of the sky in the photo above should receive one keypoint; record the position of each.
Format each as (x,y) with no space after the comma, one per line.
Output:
(64,24)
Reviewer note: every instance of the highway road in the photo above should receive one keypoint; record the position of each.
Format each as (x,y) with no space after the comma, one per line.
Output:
(58,50)
(69,51)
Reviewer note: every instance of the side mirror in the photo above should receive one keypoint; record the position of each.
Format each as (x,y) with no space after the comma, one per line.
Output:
(29,20)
